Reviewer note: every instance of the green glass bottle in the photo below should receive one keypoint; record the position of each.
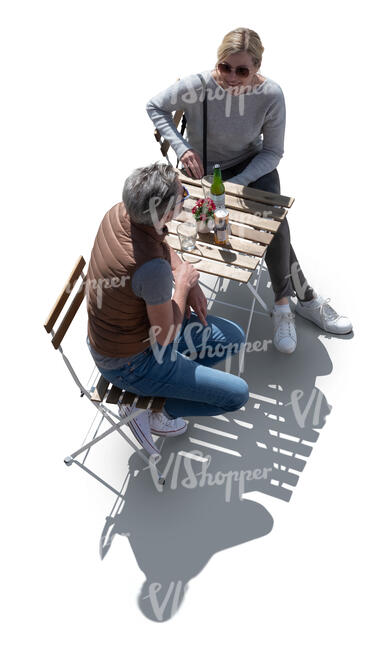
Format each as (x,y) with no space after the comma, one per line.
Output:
(217,190)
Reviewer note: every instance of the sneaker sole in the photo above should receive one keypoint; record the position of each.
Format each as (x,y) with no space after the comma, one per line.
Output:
(312,320)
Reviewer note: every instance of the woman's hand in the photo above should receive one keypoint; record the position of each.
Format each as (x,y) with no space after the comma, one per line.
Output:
(192,163)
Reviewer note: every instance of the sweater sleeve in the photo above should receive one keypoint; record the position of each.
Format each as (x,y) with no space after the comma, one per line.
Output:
(174,98)
(273,145)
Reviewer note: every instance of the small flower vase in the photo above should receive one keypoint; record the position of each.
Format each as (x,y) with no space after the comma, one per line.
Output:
(202,226)
(203,212)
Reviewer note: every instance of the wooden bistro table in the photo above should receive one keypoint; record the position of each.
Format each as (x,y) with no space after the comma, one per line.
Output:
(254,216)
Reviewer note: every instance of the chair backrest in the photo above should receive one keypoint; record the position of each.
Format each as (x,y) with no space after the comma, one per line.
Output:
(103,390)
(77,272)
(164,144)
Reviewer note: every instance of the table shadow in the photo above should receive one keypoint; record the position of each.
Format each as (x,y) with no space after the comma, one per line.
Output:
(173,533)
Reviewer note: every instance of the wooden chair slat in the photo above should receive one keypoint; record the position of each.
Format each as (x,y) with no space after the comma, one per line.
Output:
(99,392)
(164,147)
(157,403)
(227,255)
(143,401)
(68,317)
(177,117)
(128,398)
(65,293)
(113,395)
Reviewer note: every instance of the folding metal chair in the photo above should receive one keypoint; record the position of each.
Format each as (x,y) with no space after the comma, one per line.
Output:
(101,393)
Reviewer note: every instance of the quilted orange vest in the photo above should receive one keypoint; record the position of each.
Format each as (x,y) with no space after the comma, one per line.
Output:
(118,324)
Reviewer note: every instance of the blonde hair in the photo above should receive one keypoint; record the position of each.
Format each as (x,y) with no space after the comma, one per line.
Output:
(241,40)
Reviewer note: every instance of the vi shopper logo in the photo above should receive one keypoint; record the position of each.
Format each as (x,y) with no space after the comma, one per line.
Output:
(203,478)
(159,603)
(188,93)
(198,349)
(315,401)
(98,285)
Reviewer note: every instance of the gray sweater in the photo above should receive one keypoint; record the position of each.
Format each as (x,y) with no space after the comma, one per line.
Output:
(239,126)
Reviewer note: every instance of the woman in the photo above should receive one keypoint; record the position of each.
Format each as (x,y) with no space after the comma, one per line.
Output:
(245,134)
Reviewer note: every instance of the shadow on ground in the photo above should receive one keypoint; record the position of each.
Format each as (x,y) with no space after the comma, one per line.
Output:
(263,448)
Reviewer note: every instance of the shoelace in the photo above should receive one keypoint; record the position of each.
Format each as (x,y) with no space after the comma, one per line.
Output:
(161,419)
(285,322)
(327,310)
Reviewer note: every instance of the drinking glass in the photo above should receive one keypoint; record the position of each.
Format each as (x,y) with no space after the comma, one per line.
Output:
(206,182)
(187,233)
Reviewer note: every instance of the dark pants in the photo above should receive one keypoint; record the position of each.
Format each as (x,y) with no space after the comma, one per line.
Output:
(286,275)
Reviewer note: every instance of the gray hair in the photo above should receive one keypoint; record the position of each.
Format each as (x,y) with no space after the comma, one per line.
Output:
(149,192)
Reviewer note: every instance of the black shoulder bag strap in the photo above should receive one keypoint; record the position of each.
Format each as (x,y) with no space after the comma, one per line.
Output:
(204,145)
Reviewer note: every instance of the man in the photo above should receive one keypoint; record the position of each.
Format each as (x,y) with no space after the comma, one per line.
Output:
(142,338)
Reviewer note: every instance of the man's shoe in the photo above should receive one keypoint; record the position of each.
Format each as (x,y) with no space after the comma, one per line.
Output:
(162,426)
(284,338)
(322,314)
(140,427)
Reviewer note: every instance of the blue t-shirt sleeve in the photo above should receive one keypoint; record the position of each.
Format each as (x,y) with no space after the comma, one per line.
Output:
(153,281)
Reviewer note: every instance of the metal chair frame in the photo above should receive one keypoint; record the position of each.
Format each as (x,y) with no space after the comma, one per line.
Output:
(94,394)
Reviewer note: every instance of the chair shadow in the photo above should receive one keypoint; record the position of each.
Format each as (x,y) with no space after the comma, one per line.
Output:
(263,448)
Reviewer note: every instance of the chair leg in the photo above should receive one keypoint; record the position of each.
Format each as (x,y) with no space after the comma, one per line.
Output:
(255,291)
(115,427)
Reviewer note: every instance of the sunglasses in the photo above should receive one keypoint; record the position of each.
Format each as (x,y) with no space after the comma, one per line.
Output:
(241,70)
(184,196)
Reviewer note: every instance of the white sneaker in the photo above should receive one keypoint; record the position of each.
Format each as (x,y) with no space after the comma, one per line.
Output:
(284,337)
(140,427)
(322,314)
(162,426)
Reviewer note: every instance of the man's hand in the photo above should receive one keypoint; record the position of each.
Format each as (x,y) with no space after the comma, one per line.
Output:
(196,299)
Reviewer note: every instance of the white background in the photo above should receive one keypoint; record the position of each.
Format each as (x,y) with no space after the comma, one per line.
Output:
(76,77)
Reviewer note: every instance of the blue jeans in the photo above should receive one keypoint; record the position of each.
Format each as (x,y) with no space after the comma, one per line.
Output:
(191,386)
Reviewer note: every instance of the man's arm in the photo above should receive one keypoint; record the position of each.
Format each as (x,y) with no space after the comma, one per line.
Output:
(167,317)
(195,296)
(174,258)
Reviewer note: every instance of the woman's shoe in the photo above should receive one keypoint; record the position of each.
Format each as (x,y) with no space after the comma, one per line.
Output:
(284,336)
(322,314)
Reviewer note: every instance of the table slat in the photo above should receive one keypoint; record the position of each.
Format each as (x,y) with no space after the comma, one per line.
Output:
(245,218)
(220,254)
(216,268)
(239,230)
(244,205)
(269,198)
(251,233)
(236,243)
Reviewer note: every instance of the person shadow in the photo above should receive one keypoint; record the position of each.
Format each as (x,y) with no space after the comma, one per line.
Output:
(215,470)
